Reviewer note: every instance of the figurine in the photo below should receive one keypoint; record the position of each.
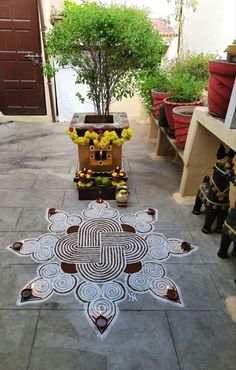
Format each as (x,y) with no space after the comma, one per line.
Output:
(214,191)
(122,195)
(228,235)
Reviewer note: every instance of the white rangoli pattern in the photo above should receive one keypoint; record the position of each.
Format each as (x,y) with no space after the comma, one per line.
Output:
(103,257)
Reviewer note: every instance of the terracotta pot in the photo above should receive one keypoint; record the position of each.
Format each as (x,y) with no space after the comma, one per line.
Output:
(220,85)
(170,105)
(157,99)
(182,117)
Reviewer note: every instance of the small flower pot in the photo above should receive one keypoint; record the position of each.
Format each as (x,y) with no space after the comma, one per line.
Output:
(220,85)
(170,105)
(157,99)
(182,117)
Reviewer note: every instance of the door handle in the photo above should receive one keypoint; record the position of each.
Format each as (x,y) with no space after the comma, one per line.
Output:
(33,58)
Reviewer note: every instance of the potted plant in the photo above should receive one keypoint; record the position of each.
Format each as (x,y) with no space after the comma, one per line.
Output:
(190,77)
(154,88)
(108,46)
(221,81)
(188,91)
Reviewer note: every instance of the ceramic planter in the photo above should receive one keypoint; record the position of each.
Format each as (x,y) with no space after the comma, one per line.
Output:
(182,117)
(220,85)
(157,99)
(170,105)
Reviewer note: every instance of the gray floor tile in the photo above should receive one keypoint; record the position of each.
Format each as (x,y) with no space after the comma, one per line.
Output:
(16,338)
(9,218)
(169,217)
(223,275)
(54,180)
(18,180)
(33,219)
(204,340)
(31,198)
(208,245)
(60,359)
(137,342)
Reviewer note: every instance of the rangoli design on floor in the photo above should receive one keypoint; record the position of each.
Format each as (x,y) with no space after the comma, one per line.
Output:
(104,258)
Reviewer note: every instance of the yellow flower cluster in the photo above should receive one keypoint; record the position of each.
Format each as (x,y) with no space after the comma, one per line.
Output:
(117,177)
(85,178)
(102,140)
(121,183)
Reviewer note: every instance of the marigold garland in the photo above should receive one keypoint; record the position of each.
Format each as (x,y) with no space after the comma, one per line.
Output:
(102,139)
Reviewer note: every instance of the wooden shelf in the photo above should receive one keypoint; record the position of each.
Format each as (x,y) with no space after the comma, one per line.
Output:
(162,139)
(205,134)
(172,141)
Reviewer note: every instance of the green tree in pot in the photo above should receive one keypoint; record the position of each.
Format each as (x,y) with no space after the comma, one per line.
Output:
(108,46)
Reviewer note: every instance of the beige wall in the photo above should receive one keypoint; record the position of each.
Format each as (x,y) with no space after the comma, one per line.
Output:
(133,107)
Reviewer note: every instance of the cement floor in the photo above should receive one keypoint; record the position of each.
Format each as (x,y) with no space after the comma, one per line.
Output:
(37,162)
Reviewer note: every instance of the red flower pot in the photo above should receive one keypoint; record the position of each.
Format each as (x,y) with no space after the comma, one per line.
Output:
(170,105)
(157,99)
(182,117)
(220,85)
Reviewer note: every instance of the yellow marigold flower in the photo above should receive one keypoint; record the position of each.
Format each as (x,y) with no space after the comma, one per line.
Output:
(91,135)
(106,133)
(126,133)
(114,183)
(81,184)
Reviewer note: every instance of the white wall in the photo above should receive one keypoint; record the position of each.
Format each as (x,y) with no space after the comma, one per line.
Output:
(212,27)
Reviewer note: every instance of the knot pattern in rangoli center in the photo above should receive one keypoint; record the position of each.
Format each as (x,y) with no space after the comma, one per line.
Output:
(101,249)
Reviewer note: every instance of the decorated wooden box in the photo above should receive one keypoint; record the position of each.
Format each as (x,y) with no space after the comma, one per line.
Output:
(99,140)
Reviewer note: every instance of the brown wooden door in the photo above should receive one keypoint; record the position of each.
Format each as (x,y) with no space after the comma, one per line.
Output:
(21,82)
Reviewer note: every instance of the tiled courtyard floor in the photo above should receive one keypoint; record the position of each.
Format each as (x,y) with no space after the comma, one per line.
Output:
(37,162)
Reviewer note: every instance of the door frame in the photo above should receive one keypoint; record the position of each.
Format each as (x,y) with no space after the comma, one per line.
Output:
(43,8)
